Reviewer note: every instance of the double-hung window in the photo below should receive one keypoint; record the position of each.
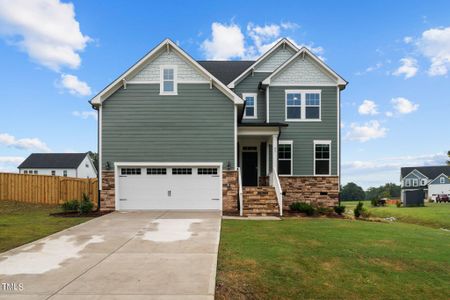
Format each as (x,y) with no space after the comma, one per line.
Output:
(303,105)
(293,105)
(250,105)
(168,85)
(285,158)
(442,180)
(322,157)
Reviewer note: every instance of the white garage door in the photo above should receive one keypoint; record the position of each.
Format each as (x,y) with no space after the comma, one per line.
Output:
(169,188)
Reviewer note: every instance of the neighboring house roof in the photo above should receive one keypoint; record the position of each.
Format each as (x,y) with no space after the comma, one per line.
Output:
(226,71)
(341,82)
(164,45)
(429,171)
(283,42)
(53,161)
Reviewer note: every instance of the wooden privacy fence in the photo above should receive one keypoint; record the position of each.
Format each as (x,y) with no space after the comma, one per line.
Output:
(46,189)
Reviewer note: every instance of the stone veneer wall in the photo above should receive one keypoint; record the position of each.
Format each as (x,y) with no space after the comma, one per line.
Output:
(230,190)
(309,188)
(107,194)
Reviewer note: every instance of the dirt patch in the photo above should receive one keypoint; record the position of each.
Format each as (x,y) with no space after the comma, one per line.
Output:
(331,264)
(76,214)
(391,265)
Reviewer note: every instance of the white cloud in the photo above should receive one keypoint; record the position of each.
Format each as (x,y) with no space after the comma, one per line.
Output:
(23,144)
(74,85)
(365,132)
(408,67)
(10,163)
(389,114)
(46,30)
(368,107)
(403,105)
(408,40)
(227,42)
(435,45)
(85,114)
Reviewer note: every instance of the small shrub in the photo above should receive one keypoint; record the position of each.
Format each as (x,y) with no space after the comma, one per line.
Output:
(358,209)
(364,213)
(302,208)
(69,206)
(374,202)
(398,203)
(86,205)
(339,209)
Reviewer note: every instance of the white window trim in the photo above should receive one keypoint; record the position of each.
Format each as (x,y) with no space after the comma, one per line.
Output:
(255,105)
(175,81)
(415,182)
(286,142)
(320,142)
(423,181)
(302,105)
(408,182)
(442,180)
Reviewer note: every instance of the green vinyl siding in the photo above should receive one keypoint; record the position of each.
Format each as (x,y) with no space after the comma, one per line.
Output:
(139,125)
(303,134)
(250,85)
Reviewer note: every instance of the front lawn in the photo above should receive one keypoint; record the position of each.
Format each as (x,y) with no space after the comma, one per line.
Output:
(332,259)
(21,223)
(435,215)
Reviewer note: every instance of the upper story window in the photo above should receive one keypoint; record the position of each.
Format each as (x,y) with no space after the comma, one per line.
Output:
(250,106)
(442,180)
(415,182)
(168,85)
(303,105)
(423,182)
(322,157)
(408,182)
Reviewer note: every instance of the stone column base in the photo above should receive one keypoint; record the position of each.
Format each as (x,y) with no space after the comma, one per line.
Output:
(230,190)
(108,192)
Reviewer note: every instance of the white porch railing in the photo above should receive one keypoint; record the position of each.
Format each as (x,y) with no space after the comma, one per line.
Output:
(241,199)
(275,182)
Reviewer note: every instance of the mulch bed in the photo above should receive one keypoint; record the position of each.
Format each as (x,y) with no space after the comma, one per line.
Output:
(76,214)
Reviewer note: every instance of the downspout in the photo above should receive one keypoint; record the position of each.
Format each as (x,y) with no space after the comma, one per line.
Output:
(98,155)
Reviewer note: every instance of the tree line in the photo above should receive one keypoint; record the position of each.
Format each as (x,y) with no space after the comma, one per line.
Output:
(353,192)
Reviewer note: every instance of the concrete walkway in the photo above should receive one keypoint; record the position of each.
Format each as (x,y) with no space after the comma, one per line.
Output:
(133,255)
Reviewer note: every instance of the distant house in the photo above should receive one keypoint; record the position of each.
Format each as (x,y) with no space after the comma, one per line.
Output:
(78,165)
(429,181)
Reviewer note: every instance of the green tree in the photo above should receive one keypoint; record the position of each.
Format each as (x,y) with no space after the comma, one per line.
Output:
(351,192)
(94,157)
(448,161)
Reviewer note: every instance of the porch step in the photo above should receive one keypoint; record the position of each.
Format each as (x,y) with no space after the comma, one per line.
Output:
(260,201)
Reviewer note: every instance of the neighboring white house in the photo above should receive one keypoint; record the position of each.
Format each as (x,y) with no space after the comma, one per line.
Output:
(79,165)
(431,180)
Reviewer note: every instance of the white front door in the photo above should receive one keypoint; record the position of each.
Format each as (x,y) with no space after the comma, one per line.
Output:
(175,187)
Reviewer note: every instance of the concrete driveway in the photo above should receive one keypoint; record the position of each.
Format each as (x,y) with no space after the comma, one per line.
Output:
(130,255)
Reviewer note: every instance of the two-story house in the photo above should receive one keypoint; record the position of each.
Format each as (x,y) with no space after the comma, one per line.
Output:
(246,137)
(427,182)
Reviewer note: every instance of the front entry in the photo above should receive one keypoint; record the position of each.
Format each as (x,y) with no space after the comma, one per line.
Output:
(249,168)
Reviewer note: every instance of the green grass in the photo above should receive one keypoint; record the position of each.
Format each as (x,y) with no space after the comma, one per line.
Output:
(436,215)
(21,223)
(332,259)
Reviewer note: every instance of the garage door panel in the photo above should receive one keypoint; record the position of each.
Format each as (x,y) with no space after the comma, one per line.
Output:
(185,189)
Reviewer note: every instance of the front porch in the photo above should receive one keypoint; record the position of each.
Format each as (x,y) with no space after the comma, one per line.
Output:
(257,160)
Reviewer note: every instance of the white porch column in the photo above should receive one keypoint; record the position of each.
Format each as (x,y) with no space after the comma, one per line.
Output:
(275,153)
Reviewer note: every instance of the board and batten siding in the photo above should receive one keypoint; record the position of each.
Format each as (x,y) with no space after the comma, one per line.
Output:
(250,85)
(303,134)
(139,125)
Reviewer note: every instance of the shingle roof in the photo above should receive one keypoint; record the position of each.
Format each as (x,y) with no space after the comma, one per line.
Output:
(226,71)
(53,160)
(429,171)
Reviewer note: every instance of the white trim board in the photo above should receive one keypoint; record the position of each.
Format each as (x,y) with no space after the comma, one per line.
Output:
(166,45)
(304,51)
(282,42)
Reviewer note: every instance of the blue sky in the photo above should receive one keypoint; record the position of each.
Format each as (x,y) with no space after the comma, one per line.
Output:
(56,54)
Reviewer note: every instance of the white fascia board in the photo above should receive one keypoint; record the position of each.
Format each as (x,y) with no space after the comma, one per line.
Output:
(281,42)
(106,92)
(339,80)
